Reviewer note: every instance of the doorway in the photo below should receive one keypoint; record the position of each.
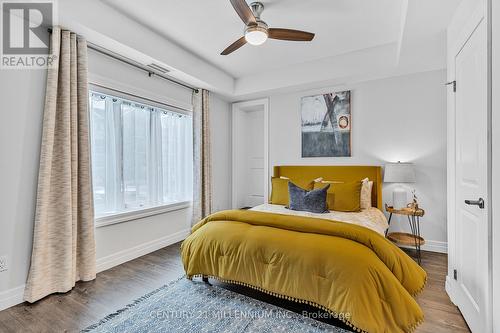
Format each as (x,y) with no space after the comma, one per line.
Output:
(250,153)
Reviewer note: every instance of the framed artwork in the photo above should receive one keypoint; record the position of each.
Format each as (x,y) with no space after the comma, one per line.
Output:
(326,125)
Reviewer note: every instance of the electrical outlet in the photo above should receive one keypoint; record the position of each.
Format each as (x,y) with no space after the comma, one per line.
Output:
(3,263)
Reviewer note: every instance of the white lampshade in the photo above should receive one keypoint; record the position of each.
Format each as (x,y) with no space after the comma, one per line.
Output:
(399,173)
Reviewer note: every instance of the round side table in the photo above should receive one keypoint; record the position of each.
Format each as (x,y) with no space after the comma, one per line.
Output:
(403,238)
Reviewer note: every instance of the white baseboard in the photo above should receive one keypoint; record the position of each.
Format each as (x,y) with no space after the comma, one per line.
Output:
(431,246)
(14,296)
(435,246)
(11,297)
(120,257)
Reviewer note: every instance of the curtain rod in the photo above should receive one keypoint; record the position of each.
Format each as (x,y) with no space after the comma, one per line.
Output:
(145,99)
(134,63)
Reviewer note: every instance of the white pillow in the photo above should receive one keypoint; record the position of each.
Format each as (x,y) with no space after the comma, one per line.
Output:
(366,193)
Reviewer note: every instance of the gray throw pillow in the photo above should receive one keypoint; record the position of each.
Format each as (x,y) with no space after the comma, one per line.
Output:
(310,201)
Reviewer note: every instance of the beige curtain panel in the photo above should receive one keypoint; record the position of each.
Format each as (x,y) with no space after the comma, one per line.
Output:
(202,164)
(63,240)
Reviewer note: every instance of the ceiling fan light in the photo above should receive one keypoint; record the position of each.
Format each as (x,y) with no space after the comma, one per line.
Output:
(256,35)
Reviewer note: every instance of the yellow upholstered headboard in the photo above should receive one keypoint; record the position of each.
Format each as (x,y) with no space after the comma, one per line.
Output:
(307,173)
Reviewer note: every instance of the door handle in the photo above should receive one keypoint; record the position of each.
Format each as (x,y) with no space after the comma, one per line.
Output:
(479,202)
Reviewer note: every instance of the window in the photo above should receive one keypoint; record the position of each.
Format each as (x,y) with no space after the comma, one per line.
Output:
(142,155)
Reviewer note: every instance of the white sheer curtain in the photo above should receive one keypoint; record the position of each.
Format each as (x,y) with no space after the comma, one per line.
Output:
(142,156)
(177,157)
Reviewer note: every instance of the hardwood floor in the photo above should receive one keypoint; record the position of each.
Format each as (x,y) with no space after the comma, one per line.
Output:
(441,315)
(90,301)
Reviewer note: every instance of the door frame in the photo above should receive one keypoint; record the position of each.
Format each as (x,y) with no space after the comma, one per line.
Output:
(237,109)
(494,18)
(480,14)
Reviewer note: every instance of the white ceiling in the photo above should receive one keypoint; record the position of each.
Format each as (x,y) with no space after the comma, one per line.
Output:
(208,27)
(412,31)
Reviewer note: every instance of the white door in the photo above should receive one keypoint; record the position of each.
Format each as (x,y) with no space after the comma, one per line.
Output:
(253,166)
(249,158)
(472,243)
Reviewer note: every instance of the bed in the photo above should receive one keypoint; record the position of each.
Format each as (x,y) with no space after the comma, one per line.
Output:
(333,261)
(371,218)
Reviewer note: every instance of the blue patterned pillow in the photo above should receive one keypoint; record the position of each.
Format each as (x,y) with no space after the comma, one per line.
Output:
(310,201)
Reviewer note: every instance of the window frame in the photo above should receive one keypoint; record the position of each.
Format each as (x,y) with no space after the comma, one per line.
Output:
(131,215)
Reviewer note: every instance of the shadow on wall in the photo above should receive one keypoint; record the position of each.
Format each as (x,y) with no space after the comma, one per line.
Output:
(430,179)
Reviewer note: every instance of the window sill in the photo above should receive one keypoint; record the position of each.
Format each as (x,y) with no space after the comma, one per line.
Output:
(139,214)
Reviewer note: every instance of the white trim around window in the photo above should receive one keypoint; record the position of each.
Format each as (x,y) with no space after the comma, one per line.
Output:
(159,158)
(139,214)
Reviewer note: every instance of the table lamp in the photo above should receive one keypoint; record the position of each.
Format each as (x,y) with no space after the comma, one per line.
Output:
(399,173)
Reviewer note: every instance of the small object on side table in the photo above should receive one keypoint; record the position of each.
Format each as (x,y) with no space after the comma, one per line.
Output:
(414,213)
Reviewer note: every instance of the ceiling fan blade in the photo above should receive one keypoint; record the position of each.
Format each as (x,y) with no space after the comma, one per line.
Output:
(290,34)
(233,47)
(244,11)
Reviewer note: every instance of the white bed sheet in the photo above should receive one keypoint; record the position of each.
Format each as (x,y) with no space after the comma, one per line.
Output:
(371,218)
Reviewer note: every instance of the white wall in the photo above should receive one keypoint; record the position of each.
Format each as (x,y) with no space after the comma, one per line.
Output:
(20,133)
(401,118)
(21,95)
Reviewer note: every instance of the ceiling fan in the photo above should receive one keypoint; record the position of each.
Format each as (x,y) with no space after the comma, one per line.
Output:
(257,31)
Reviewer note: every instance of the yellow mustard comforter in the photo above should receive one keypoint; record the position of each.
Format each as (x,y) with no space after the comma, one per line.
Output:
(350,271)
